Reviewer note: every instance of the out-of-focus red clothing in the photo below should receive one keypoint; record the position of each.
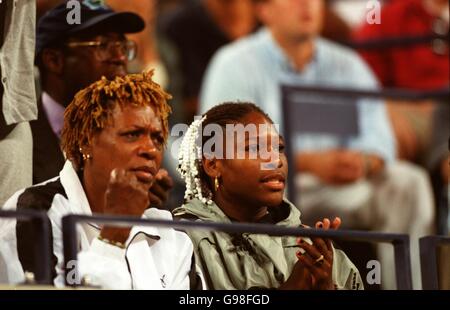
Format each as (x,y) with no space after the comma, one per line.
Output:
(415,66)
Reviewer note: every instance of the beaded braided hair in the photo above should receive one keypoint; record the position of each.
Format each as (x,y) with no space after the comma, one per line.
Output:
(91,109)
(190,156)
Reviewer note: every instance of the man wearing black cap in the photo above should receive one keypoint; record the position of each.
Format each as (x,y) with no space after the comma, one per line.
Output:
(70,57)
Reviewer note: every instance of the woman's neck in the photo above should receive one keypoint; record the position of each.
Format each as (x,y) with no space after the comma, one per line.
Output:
(238,210)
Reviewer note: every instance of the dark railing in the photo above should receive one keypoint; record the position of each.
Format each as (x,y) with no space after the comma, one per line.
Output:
(396,42)
(399,242)
(297,94)
(391,93)
(428,260)
(42,250)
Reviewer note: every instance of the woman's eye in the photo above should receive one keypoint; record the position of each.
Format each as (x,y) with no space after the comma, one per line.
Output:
(159,140)
(132,134)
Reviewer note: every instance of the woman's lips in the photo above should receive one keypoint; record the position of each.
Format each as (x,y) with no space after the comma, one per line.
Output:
(274,185)
(274,181)
(145,174)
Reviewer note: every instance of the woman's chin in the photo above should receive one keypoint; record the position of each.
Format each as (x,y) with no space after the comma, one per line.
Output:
(274,200)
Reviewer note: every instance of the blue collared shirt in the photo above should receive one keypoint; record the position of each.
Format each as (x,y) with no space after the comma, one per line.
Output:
(253,68)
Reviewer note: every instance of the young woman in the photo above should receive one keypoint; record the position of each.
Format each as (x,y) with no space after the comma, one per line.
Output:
(250,189)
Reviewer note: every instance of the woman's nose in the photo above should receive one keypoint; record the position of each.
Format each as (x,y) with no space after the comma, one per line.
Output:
(273,161)
(277,162)
(148,149)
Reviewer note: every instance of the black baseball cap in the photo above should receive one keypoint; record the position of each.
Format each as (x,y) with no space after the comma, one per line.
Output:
(94,15)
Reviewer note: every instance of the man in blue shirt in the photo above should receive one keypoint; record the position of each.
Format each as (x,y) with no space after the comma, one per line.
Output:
(361,182)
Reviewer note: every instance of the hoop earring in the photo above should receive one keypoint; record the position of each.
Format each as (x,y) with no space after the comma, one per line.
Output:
(85,156)
(216,184)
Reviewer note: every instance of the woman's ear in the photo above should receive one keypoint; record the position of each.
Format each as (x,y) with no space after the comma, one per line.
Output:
(211,167)
(86,149)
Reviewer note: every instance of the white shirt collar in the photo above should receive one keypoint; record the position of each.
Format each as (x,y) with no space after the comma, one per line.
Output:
(79,203)
(74,190)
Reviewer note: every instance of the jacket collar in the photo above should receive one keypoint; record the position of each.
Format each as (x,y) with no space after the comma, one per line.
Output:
(213,212)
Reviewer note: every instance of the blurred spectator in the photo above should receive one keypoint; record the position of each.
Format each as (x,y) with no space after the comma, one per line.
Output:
(17,94)
(362,182)
(422,66)
(199,27)
(147,56)
(196,31)
(412,124)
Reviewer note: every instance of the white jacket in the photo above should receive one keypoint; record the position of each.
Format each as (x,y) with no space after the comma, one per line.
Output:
(154,258)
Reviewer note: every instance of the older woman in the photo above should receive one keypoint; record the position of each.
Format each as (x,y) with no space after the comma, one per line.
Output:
(248,187)
(114,135)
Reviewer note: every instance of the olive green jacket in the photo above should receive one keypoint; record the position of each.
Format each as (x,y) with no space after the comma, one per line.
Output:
(235,261)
